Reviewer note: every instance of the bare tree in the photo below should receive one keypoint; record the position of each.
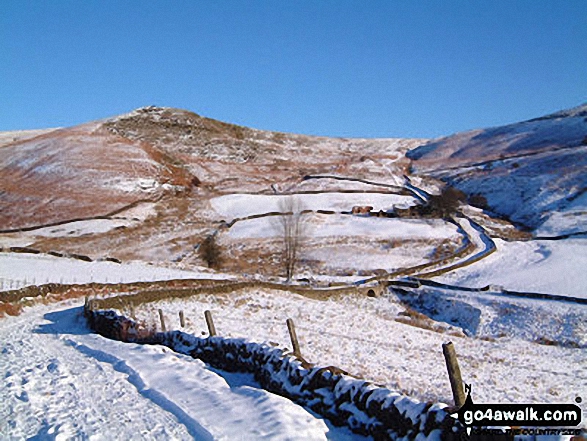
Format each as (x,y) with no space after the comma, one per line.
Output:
(292,227)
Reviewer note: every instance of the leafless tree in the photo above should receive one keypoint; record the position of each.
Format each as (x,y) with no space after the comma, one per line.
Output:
(292,228)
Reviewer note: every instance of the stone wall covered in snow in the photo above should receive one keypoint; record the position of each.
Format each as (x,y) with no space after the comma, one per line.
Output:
(364,407)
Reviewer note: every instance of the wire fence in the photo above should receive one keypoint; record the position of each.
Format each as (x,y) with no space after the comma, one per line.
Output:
(12,283)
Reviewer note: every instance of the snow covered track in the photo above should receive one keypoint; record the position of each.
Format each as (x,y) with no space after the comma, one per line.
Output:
(50,390)
(58,381)
(481,246)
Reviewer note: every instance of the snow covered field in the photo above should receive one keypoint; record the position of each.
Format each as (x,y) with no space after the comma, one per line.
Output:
(335,245)
(70,229)
(242,205)
(363,336)
(551,267)
(322,225)
(19,270)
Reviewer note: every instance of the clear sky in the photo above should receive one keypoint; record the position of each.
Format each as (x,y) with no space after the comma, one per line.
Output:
(414,68)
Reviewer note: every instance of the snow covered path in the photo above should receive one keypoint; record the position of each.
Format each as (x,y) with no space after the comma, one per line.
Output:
(58,381)
(483,246)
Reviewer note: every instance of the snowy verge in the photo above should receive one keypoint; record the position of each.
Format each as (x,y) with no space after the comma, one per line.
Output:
(59,381)
(553,320)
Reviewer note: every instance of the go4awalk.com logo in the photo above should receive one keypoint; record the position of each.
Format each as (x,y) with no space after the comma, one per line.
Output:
(473,415)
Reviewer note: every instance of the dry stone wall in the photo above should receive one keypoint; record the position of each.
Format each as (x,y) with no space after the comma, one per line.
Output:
(362,406)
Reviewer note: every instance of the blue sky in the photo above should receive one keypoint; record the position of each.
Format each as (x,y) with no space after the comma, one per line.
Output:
(336,68)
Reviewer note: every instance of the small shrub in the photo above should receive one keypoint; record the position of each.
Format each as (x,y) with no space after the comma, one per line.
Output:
(10,309)
(210,252)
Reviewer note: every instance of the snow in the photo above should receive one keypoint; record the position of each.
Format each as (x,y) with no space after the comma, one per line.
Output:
(357,259)
(391,228)
(551,267)
(362,336)
(531,192)
(18,270)
(527,171)
(243,205)
(59,381)
(130,185)
(80,228)
(127,218)
(569,220)
(490,314)
(21,135)
(323,225)
(353,243)
(141,211)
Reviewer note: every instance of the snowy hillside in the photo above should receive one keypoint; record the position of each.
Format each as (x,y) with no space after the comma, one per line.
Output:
(76,173)
(529,172)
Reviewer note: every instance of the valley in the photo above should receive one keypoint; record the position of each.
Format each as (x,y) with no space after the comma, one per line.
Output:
(400,245)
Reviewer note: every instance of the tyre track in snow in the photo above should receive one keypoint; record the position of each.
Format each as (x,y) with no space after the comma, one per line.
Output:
(119,365)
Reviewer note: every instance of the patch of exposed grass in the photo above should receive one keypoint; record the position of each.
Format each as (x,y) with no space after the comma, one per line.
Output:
(414,318)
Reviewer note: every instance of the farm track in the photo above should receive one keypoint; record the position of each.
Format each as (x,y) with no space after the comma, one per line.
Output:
(476,235)
(44,376)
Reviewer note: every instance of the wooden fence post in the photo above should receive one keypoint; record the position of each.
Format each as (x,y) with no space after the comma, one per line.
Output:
(454,373)
(210,323)
(293,336)
(181,319)
(162,320)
